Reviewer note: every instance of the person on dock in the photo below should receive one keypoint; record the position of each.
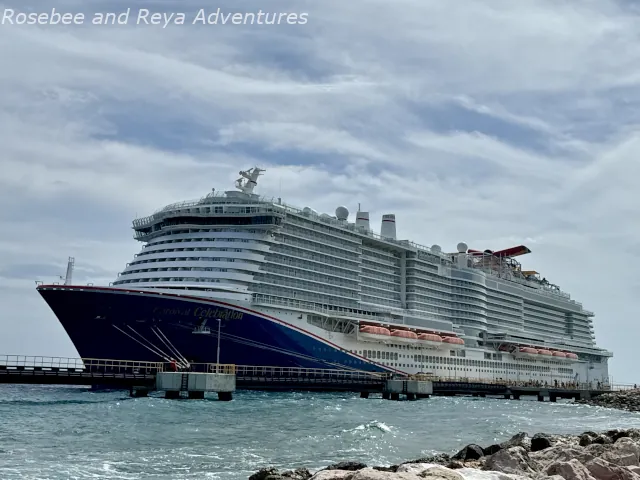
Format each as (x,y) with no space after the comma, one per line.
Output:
(173,366)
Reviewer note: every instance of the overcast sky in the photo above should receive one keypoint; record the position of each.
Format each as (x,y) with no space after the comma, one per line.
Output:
(491,122)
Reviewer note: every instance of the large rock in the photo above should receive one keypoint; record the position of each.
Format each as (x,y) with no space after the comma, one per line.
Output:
(439,472)
(560,453)
(390,468)
(602,439)
(297,474)
(540,441)
(603,470)
(470,452)
(333,475)
(521,439)
(373,474)
(440,459)
(571,470)
(350,466)
(265,473)
(416,468)
(625,452)
(473,474)
(514,460)
(491,449)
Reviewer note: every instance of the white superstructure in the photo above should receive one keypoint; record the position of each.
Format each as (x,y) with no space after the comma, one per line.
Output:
(467,314)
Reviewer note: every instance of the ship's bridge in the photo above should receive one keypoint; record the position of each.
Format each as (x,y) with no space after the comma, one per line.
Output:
(214,245)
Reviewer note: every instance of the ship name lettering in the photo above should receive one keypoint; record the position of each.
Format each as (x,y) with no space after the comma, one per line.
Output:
(223,313)
(172,311)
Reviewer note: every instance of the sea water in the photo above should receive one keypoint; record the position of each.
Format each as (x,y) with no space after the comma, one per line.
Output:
(65,433)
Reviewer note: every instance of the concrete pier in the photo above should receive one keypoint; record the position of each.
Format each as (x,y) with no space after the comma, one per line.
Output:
(412,389)
(196,384)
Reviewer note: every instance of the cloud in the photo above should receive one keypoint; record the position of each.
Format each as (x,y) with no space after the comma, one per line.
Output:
(495,124)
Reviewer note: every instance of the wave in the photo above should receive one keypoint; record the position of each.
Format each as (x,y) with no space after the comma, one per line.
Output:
(374,425)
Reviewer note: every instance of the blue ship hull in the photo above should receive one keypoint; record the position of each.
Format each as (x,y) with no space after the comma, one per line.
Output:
(112,323)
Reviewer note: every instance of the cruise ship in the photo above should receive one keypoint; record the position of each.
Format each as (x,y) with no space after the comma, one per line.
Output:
(239,278)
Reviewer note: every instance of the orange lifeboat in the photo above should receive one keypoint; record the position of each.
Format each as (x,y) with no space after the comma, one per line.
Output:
(404,336)
(373,333)
(532,351)
(572,356)
(560,354)
(543,351)
(375,330)
(455,341)
(528,352)
(430,337)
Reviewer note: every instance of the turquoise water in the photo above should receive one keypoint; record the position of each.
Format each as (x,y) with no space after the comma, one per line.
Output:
(60,433)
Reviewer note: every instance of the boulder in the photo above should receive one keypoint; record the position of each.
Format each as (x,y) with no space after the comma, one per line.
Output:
(603,470)
(297,474)
(491,449)
(560,453)
(416,468)
(625,452)
(470,452)
(437,473)
(350,466)
(390,468)
(602,440)
(263,473)
(585,440)
(521,439)
(571,470)
(540,441)
(514,460)
(440,459)
(372,474)
(333,475)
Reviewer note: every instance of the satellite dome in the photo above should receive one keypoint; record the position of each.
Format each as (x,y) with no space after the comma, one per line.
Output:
(462,247)
(436,248)
(342,213)
(306,210)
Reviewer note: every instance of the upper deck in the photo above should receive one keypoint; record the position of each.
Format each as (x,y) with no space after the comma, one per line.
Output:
(244,208)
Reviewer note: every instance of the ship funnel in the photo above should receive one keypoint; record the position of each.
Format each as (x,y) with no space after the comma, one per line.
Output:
(388,229)
(362,220)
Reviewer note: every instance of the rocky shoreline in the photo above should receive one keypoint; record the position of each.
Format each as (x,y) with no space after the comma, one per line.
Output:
(610,455)
(622,400)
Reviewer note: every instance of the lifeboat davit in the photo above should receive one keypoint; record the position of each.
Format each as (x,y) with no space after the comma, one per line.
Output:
(373,333)
(453,342)
(430,339)
(404,336)
(544,351)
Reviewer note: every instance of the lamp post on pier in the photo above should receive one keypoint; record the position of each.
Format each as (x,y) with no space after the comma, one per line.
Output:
(218,352)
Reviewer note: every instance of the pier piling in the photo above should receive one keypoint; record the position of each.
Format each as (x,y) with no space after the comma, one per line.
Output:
(196,384)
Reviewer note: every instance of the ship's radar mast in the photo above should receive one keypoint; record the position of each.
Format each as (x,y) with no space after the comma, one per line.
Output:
(69,276)
(248,179)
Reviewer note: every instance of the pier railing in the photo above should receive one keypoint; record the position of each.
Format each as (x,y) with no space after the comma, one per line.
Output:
(299,372)
(14,363)
(26,362)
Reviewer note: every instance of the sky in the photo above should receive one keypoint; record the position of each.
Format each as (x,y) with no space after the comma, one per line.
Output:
(496,123)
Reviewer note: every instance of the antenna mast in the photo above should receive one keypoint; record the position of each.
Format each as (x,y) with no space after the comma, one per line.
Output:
(68,278)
